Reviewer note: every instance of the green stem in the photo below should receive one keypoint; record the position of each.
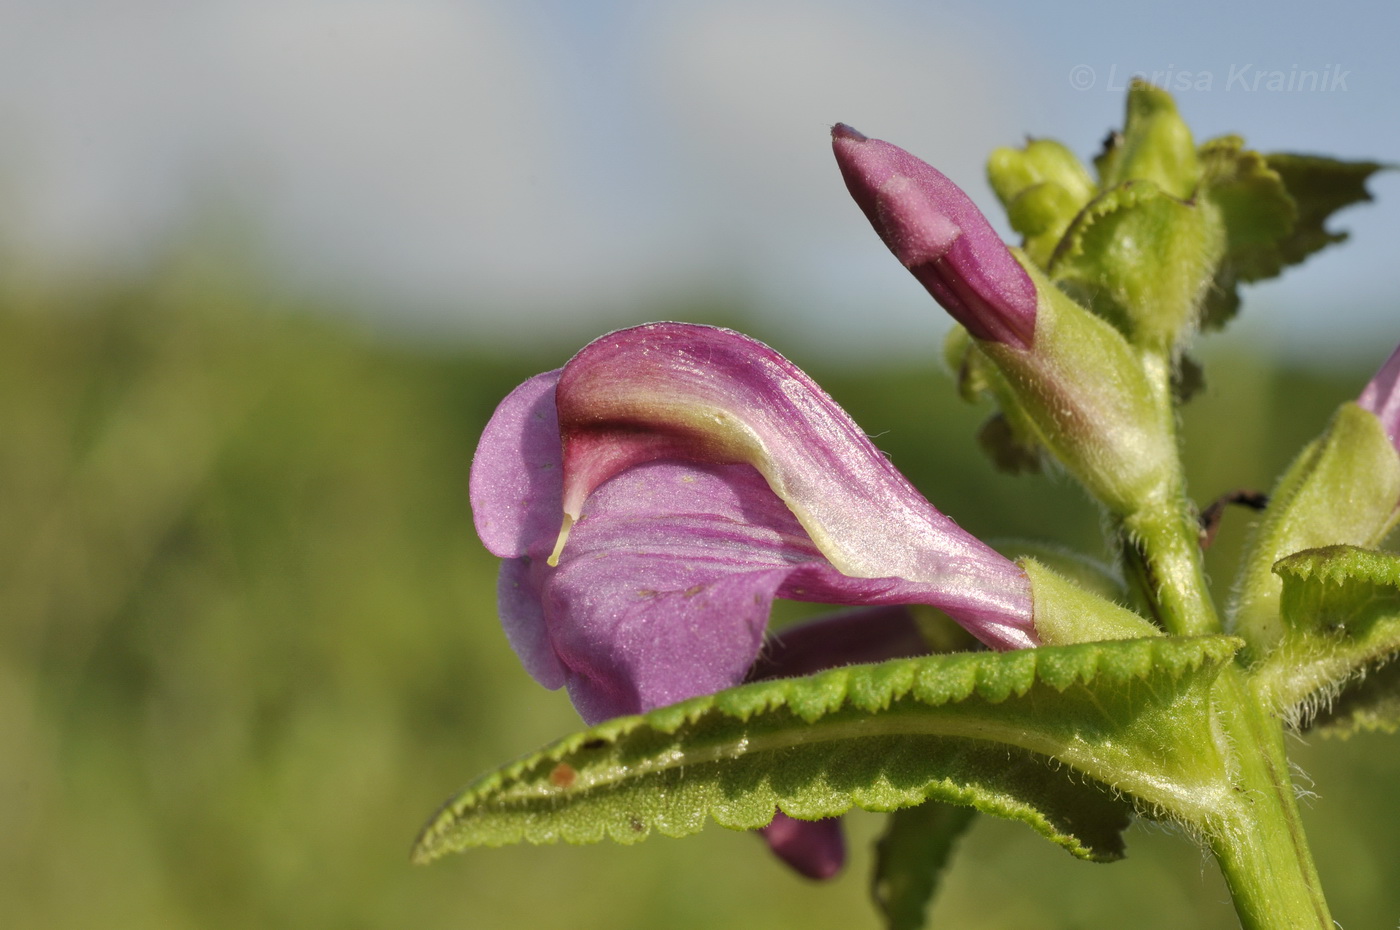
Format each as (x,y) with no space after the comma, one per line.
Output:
(1161,540)
(1161,547)
(1259,840)
(1260,845)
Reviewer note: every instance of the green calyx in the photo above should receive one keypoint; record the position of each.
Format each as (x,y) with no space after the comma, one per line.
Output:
(1082,393)
(1142,259)
(1066,613)
(1334,664)
(1343,489)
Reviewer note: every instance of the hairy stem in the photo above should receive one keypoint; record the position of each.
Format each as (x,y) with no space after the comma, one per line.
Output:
(1260,844)
(1160,541)
(1162,553)
(1257,838)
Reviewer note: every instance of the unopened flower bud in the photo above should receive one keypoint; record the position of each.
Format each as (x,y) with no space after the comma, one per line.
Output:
(1344,489)
(937,232)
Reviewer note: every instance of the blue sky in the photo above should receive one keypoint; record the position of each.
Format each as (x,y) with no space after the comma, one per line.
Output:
(496,170)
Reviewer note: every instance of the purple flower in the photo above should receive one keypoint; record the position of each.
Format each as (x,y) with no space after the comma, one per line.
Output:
(1382,397)
(698,475)
(653,496)
(937,232)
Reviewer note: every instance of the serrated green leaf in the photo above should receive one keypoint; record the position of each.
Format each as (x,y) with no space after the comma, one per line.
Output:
(1341,610)
(972,729)
(1256,213)
(1274,210)
(1256,208)
(1334,575)
(910,858)
(1320,187)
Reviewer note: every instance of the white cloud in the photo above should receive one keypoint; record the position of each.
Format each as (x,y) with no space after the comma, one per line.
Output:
(410,141)
(504,165)
(429,154)
(414,149)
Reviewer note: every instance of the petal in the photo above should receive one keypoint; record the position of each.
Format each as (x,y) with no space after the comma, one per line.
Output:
(1382,397)
(937,232)
(515,477)
(630,648)
(854,637)
(703,394)
(814,848)
(523,618)
(666,585)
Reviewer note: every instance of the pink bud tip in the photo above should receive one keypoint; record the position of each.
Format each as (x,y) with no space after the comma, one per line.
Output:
(937,232)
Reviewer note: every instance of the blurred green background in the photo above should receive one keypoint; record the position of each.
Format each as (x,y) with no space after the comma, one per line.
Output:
(249,641)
